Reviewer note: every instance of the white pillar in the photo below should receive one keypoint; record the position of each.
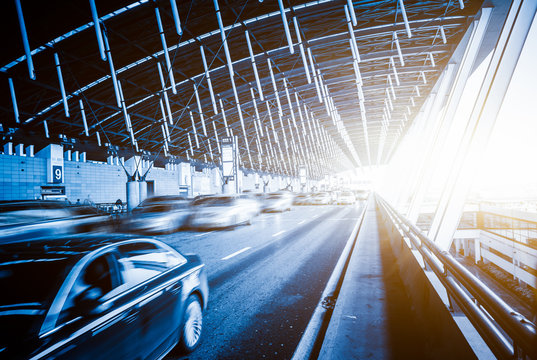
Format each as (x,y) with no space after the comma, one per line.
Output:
(133,195)
(143,190)
(19,150)
(477,250)
(8,148)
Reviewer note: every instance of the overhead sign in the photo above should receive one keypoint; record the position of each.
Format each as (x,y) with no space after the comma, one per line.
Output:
(302,174)
(228,158)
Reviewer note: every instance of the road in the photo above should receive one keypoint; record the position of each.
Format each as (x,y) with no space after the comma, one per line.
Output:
(266,279)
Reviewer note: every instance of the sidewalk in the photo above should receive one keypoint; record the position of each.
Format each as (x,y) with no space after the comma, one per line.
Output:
(372,318)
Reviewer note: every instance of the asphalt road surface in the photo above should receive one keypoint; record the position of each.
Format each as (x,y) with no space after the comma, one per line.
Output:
(266,279)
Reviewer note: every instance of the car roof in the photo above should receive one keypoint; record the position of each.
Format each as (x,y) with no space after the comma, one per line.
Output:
(160,198)
(69,245)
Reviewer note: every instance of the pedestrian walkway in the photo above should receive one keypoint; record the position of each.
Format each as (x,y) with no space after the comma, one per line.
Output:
(373,317)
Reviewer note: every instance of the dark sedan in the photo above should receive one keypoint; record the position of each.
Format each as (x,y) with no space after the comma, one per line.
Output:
(99,297)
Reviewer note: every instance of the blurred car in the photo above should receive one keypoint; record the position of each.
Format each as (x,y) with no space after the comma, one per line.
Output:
(302,199)
(99,297)
(158,217)
(278,201)
(162,199)
(258,197)
(31,218)
(334,196)
(346,197)
(321,198)
(221,211)
(362,194)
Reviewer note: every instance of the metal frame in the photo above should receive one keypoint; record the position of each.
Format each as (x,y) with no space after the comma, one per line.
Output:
(508,334)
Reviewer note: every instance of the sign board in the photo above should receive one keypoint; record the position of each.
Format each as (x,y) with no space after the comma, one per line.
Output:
(228,158)
(57,174)
(227,140)
(52,190)
(227,153)
(54,155)
(302,174)
(183,190)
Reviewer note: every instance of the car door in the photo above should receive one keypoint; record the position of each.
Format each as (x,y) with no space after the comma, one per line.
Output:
(110,329)
(146,266)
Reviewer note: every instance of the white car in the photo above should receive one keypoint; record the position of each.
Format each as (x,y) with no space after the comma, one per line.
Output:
(156,217)
(278,201)
(221,211)
(321,198)
(346,197)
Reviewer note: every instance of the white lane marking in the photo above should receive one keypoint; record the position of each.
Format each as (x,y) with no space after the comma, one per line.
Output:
(278,233)
(302,222)
(202,234)
(236,253)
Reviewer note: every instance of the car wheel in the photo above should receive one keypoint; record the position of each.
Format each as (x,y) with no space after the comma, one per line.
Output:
(192,325)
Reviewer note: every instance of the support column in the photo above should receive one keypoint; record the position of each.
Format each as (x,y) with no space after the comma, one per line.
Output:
(457,246)
(477,250)
(142,190)
(481,122)
(229,187)
(424,171)
(133,194)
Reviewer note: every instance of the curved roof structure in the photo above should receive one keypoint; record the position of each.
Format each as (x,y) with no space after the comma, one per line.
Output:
(290,85)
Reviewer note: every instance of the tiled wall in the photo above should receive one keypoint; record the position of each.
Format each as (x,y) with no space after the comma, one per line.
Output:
(100,183)
(21,178)
(166,182)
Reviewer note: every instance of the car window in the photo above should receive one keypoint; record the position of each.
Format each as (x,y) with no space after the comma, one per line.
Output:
(141,261)
(101,274)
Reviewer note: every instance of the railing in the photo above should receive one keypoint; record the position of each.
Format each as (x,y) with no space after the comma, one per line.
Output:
(508,334)
(113,209)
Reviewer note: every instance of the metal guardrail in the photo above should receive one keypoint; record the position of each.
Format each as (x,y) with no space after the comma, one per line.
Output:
(508,333)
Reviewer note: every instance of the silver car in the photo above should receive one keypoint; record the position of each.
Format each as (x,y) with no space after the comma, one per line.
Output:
(321,198)
(221,211)
(164,217)
(278,201)
(346,198)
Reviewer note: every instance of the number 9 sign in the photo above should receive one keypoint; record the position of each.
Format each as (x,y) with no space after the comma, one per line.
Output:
(57,174)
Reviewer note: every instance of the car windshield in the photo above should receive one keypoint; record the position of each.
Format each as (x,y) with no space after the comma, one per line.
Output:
(275,196)
(157,199)
(28,289)
(214,201)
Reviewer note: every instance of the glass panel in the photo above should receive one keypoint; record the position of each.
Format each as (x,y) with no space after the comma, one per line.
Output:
(143,260)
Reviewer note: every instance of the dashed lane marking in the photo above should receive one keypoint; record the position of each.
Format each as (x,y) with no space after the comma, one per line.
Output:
(203,234)
(278,233)
(236,253)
